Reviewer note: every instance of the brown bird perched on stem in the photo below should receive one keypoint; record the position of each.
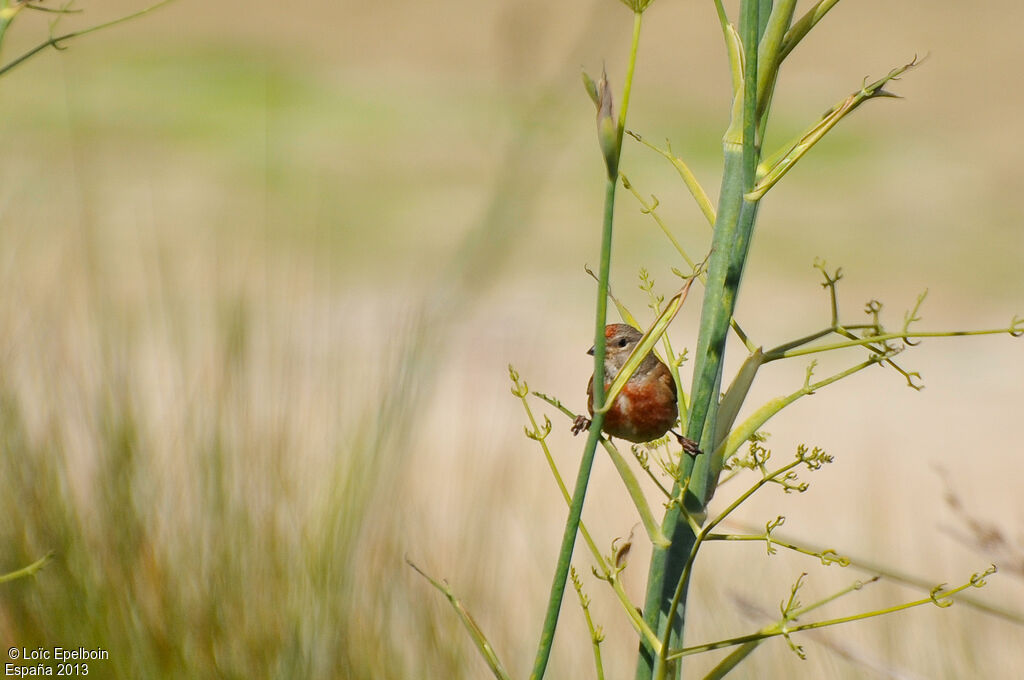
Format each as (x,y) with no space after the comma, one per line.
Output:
(646,407)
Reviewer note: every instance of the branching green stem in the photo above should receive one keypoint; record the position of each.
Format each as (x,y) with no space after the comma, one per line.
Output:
(826,555)
(759,417)
(696,190)
(745,649)
(596,636)
(30,570)
(652,210)
(605,571)
(55,41)
(701,536)
(874,339)
(636,494)
(898,576)
(600,319)
(938,597)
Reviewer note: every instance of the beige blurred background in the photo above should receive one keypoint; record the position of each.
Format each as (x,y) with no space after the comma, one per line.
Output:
(264,268)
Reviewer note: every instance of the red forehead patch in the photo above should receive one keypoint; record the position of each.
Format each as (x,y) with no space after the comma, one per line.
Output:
(611,329)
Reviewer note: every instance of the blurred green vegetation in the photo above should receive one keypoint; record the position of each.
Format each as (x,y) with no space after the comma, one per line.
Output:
(238,257)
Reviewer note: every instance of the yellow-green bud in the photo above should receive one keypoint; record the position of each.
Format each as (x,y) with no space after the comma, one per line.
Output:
(607,127)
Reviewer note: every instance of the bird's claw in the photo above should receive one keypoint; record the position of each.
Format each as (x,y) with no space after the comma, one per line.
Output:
(580,424)
(689,446)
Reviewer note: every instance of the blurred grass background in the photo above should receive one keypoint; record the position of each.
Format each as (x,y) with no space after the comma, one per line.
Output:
(263,269)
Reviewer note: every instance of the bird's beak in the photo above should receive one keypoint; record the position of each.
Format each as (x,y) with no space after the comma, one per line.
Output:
(590,351)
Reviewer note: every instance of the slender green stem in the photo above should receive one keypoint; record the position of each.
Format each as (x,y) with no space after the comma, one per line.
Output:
(30,570)
(605,570)
(596,636)
(600,320)
(938,597)
(802,27)
(893,574)
(586,462)
(723,18)
(758,418)
(479,639)
(769,58)
(538,434)
(627,89)
(874,339)
(652,210)
(745,650)
(696,190)
(684,578)
(826,555)
(636,494)
(55,41)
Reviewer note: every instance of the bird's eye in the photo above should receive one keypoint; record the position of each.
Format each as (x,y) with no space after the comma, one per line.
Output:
(623,342)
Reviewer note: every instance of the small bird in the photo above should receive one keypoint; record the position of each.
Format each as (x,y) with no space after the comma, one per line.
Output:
(646,407)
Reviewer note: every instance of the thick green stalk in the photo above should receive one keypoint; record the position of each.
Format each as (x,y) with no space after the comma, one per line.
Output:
(600,320)
(730,243)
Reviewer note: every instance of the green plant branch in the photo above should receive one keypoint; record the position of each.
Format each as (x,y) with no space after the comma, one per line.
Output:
(734,222)
(643,347)
(745,649)
(846,330)
(30,570)
(587,460)
(636,494)
(802,27)
(479,639)
(730,245)
(55,41)
(898,576)
(643,459)
(62,10)
(627,88)
(652,210)
(612,155)
(689,179)
(723,18)
(623,311)
(776,166)
(539,434)
(769,58)
(938,597)
(736,395)
(762,415)
(1016,328)
(674,362)
(827,556)
(596,634)
(604,570)
(680,589)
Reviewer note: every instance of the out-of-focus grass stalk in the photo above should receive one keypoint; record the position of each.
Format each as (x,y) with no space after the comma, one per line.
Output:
(29,570)
(611,144)
(479,639)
